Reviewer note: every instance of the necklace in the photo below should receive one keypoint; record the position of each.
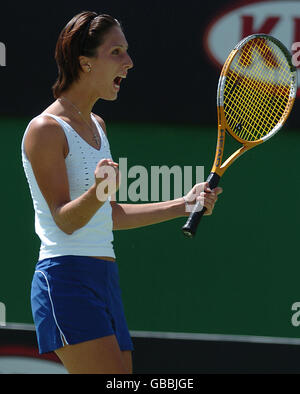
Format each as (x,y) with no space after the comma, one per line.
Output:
(96,137)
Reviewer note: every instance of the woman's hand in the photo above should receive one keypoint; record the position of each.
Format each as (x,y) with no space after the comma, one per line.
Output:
(107,179)
(202,193)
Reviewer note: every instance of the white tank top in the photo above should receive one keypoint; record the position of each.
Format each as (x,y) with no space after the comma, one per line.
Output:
(96,237)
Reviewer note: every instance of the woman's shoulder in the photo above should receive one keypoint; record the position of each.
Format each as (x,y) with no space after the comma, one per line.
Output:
(47,122)
(43,122)
(44,133)
(44,127)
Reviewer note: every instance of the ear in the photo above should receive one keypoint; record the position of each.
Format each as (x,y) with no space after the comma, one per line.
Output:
(85,64)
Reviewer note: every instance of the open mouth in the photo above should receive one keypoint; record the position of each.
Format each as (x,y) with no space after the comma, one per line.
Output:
(117,82)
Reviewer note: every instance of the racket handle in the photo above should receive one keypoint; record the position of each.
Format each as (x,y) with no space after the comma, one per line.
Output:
(190,227)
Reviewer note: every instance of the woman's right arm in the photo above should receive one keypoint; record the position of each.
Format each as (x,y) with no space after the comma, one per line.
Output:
(45,147)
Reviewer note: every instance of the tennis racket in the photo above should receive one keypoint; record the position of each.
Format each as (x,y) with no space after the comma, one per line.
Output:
(256,92)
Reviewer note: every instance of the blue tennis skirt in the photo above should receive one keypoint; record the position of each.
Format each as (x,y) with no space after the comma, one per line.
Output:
(76,299)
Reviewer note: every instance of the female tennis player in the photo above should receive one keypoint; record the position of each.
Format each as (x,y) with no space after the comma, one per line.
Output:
(76,301)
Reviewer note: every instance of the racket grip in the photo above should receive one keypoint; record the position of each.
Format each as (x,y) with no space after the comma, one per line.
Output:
(190,227)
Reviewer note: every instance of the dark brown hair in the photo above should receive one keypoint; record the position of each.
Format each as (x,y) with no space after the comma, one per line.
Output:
(80,37)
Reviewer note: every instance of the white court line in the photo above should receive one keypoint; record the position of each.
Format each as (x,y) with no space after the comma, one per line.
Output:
(188,336)
(215,337)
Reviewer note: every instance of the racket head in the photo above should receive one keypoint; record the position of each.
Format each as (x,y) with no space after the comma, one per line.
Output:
(256,93)
(257,89)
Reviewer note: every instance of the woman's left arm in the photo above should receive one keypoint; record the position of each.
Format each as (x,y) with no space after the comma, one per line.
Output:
(129,216)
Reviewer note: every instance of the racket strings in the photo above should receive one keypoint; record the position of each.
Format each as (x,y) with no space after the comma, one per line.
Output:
(256,95)
(269,89)
(256,92)
(239,109)
(277,92)
(264,115)
(252,126)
